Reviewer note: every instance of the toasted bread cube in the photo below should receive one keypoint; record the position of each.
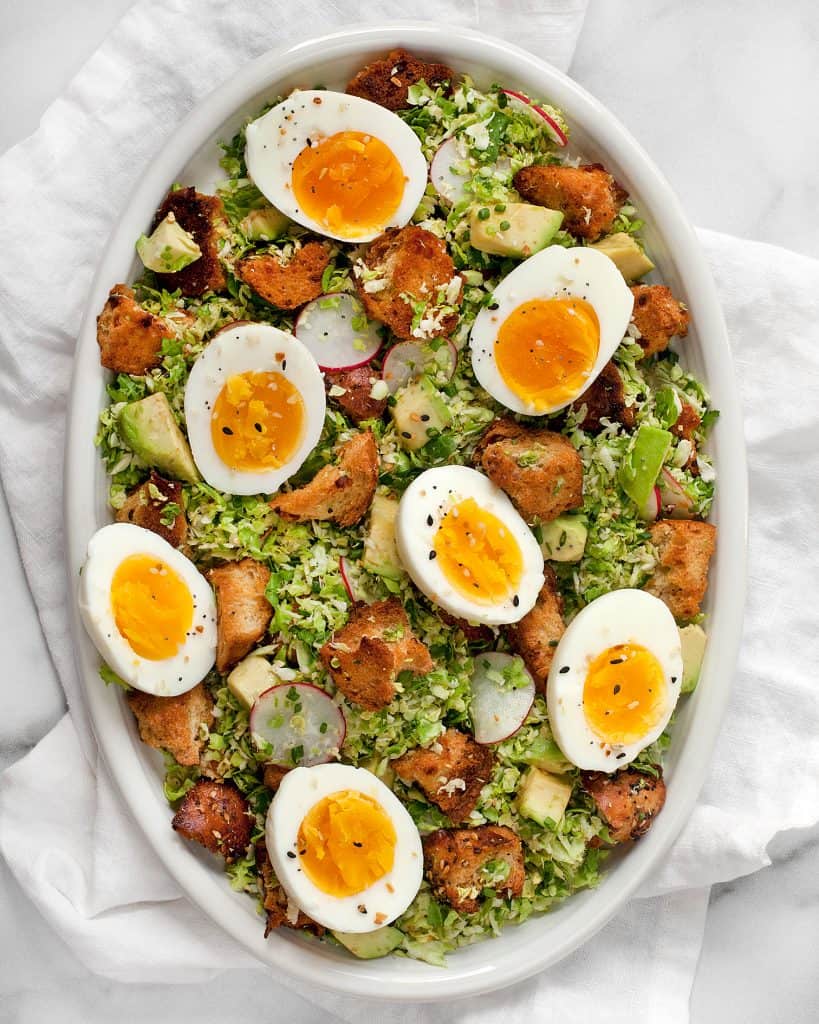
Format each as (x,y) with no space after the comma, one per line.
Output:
(386,82)
(365,656)
(216,815)
(451,773)
(536,636)
(147,506)
(279,912)
(684,550)
(605,399)
(202,216)
(540,470)
(129,337)
(243,611)
(357,401)
(687,422)
(342,493)
(286,285)
(588,196)
(173,723)
(273,775)
(658,317)
(410,265)
(454,859)
(628,801)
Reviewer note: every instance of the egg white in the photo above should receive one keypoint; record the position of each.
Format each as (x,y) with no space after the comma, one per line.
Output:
(421,509)
(107,549)
(623,616)
(300,790)
(552,273)
(276,139)
(242,348)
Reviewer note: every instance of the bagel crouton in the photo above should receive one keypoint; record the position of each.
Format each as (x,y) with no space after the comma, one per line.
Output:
(658,317)
(540,470)
(451,773)
(202,216)
(279,912)
(243,611)
(173,723)
(129,337)
(357,401)
(628,801)
(386,82)
(604,399)
(588,196)
(402,268)
(216,815)
(536,636)
(454,860)
(687,422)
(475,633)
(151,506)
(684,550)
(273,775)
(286,285)
(341,494)
(365,656)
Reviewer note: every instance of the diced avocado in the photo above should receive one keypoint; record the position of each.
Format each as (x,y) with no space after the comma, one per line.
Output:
(371,945)
(264,224)
(564,539)
(625,254)
(641,466)
(381,767)
(693,639)
(546,755)
(169,248)
(543,797)
(380,551)
(419,411)
(252,676)
(519,229)
(148,428)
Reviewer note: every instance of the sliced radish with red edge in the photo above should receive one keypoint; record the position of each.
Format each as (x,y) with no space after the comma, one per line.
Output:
(344,568)
(326,327)
(674,500)
(498,710)
(521,101)
(448,184)
(301,723)
(652,507)
(409,360)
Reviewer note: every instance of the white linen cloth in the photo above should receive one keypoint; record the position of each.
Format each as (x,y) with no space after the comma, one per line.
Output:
(62,829)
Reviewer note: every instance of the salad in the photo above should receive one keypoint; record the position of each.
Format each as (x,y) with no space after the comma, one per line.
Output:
(411,508)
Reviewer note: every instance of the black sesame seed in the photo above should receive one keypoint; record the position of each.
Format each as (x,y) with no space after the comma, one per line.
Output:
(565,668)
(424,417)
(359,845)
(291,855)
(406,433)
(516,600)
(361,908)
(227,430)
(616,689)
(621,755)
(617,661)
(433,555)
(430,520)
(258,427)
(673,679)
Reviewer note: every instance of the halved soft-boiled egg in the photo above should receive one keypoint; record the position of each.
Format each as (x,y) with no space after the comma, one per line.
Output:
(615,680)
(254,408)
(553,324)
(343,847)
(466,547)
(149,611)
(339,165)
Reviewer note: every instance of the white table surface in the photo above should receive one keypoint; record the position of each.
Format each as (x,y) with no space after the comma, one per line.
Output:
(724,96)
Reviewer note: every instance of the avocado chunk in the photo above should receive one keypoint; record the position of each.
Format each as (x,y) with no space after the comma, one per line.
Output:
(419,413)
(519,229)
(564,539)
(169,248)
(641,466)
(546,755)
(693,639)
(251,677)
(543,797)
(148,428)
(626,254)
(380,550)
(371,945)
(264,224)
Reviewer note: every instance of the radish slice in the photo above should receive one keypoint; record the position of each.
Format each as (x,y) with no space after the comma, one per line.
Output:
(498,711)
(343,566)
(408,360)
(521,101)
(301,723)
(448,184)
(325,327)
(674,500)
(652,507)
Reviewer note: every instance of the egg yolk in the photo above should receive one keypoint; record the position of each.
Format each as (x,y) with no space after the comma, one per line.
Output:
(349,182)
(346,843)
(546,348)
(257,421)
(478,554)
(152,606)
(624,695)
